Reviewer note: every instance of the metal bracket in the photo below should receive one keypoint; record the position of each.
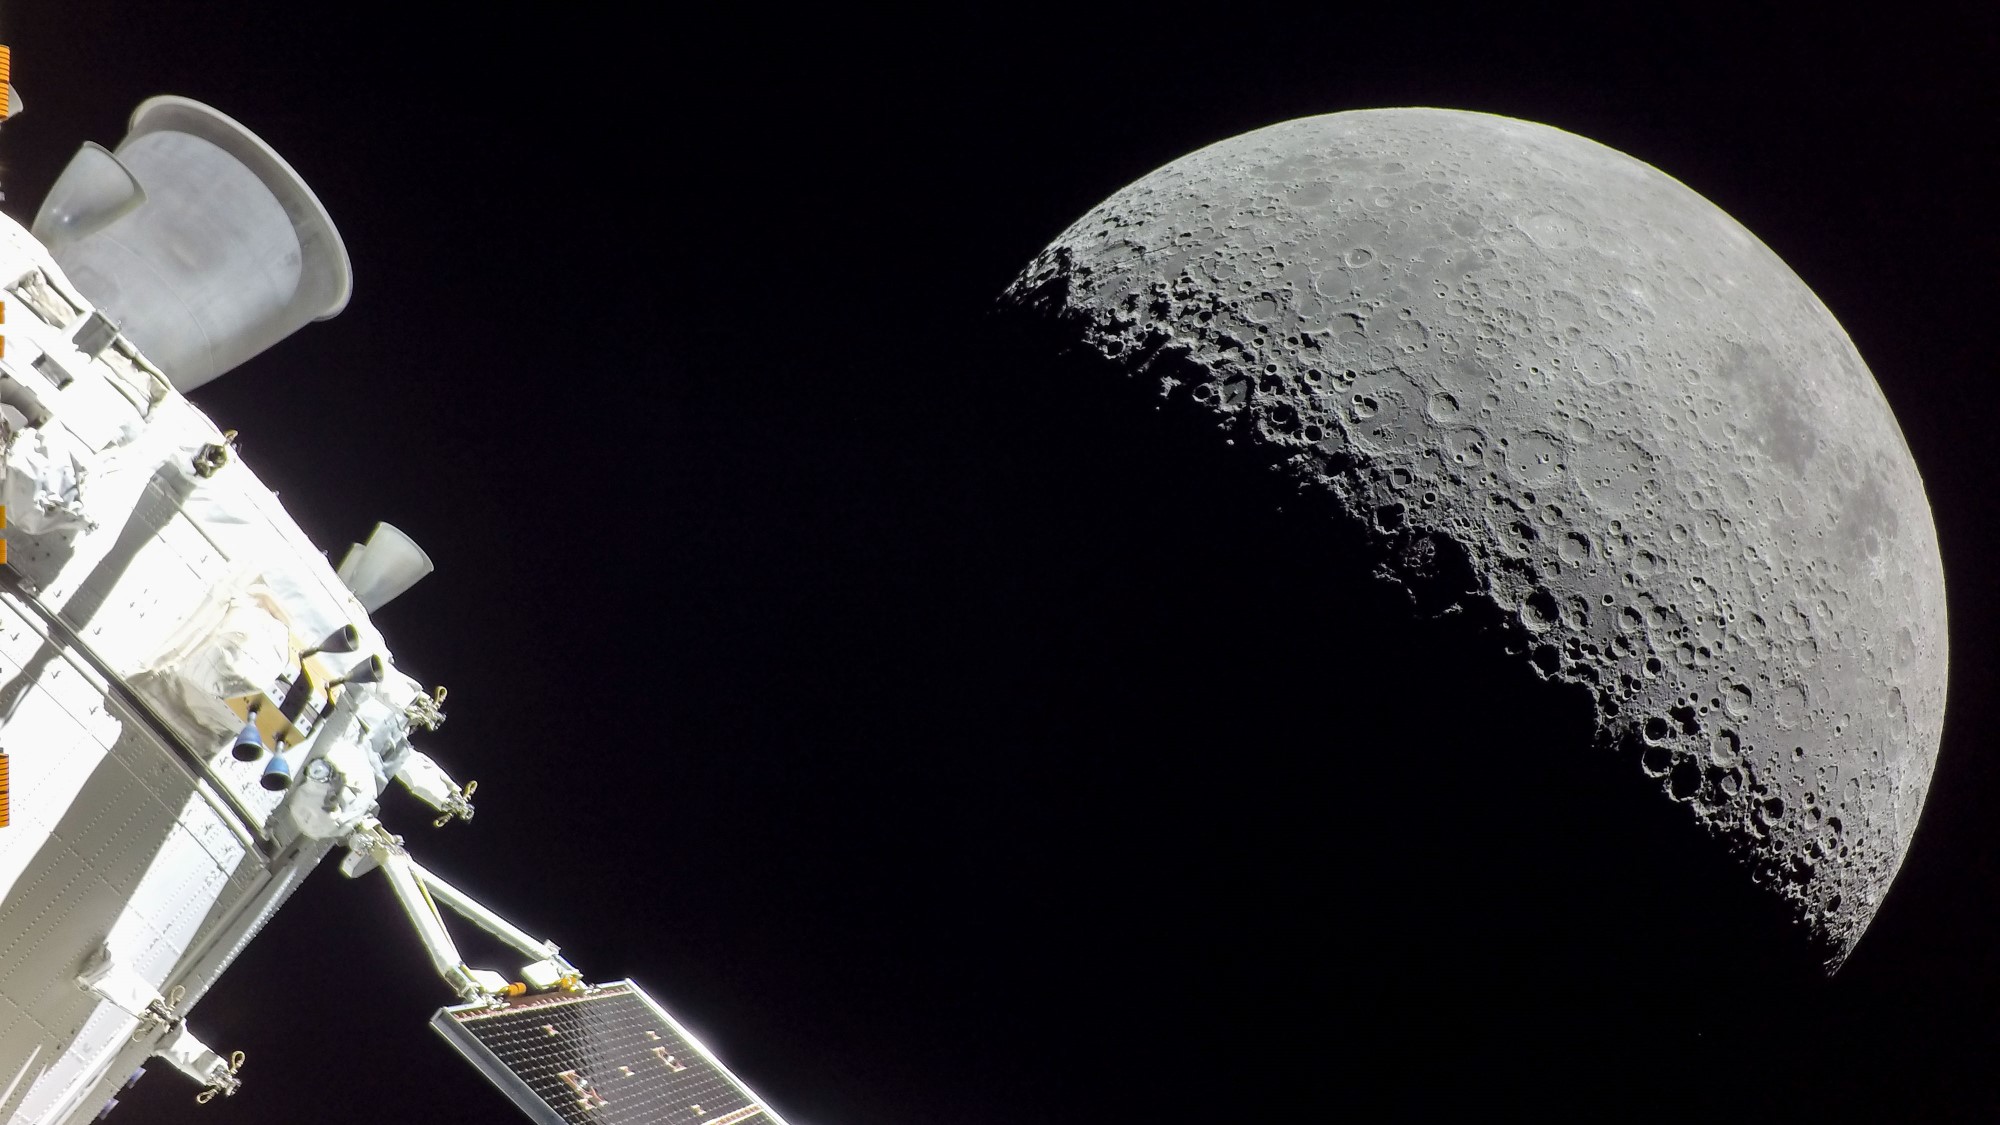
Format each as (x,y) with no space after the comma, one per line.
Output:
(160,1020)
(426,711)
(213,456)
(458,805)
(225,1082)
(161,1015)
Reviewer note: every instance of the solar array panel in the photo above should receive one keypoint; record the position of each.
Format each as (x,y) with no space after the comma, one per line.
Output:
(609,1056)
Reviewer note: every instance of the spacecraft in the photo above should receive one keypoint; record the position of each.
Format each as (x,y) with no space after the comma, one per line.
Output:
(195,707)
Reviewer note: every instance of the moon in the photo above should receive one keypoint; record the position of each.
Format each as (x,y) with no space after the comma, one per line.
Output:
(1565,394)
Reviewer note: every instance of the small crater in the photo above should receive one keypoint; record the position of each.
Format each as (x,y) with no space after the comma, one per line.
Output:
(1540,611)
(1468,447)
(1685,716)
(1685,780)
(1536,458)
(1574,548)
(1656,760)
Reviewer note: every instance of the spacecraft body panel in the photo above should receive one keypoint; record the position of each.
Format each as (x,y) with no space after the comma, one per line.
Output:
(156,599)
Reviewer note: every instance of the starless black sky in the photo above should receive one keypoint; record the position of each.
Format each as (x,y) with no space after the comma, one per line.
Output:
(945,734)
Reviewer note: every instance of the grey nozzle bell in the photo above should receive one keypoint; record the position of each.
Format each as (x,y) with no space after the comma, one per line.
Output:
(197,238)
(343,639)
(249,741)
(277,774)
(368,671)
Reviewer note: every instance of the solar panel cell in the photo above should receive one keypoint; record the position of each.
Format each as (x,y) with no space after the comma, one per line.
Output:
(610,1056)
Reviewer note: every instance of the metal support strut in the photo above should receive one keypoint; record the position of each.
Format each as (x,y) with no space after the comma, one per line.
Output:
(420,892)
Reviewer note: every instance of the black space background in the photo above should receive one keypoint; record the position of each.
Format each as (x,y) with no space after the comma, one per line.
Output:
(945,734)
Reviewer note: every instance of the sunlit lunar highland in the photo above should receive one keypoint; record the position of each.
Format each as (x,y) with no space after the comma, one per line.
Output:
(1551,381)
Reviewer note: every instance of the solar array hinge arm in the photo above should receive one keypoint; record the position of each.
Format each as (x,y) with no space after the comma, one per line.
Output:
(420,892)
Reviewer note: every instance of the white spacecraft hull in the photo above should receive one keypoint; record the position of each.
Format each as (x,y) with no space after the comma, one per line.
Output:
(132,831)
(195,708)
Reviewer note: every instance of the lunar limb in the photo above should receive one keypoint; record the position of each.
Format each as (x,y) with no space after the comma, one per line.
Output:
(1565,392)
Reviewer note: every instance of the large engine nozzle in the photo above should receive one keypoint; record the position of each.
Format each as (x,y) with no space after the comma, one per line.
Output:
(196,238)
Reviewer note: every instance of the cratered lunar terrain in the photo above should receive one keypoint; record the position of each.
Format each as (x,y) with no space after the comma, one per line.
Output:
(1566,395)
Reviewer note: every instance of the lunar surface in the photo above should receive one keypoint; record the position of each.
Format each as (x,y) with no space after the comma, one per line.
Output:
(1568,397)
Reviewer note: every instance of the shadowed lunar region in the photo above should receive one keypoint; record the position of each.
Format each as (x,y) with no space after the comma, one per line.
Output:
(1569,399)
